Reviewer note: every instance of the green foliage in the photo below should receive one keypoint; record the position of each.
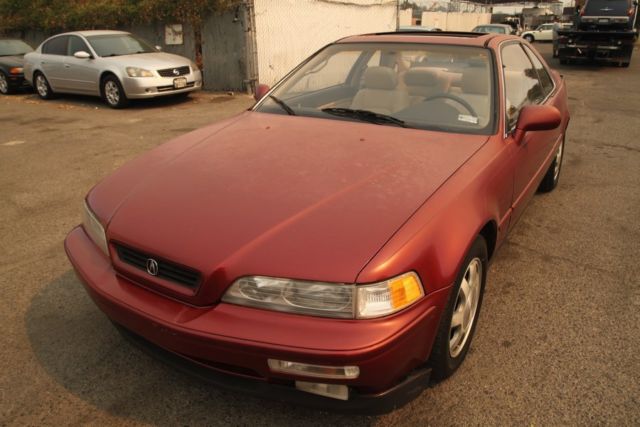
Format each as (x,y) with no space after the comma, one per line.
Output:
(50,15)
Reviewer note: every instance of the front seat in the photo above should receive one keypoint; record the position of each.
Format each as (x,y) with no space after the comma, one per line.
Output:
(379,92)
(423,83)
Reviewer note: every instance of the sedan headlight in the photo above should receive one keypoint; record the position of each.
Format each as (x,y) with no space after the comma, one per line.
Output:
(323,299)
(94,228)
(138,72)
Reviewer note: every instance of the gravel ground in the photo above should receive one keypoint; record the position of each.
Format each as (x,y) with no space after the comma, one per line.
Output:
(558,338)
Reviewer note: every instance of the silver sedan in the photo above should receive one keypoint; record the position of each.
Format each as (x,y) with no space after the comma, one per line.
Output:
(114,65)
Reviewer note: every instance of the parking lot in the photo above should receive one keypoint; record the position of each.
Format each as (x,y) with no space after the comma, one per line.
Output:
(558,340)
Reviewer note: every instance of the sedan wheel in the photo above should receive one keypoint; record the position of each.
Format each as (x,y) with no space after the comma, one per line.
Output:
(529,38)
(114,93)
(551,178)
(4,84)
(465,307)
(42,87)
(460,316)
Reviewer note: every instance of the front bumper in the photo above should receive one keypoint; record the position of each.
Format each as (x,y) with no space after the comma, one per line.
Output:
(229,345)
(151,87)
(17,81)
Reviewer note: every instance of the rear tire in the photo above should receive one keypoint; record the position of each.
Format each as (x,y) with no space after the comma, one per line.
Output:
(41,84)
(5,87)
(113,92)
(460,317)
(551,178)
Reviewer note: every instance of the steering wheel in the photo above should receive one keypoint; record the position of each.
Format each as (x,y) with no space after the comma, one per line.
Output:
(455,98)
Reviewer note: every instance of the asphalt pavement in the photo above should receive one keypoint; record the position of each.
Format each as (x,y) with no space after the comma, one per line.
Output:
(558,341)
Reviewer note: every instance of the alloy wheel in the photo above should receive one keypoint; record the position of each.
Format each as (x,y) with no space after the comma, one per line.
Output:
(4,84)
(558,162)
(41,86)
(112,93)
(466,307)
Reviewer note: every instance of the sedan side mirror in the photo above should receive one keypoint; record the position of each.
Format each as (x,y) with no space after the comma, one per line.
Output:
(536,117)
(81,54)
(261,91)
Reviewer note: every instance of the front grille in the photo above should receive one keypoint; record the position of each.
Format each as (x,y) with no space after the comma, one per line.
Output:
(166,269)
(169,72)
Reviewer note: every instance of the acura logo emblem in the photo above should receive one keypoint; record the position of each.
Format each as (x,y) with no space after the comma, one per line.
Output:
(176,72)
(152,267)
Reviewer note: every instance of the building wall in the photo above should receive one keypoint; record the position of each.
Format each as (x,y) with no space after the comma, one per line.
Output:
(455,21)
(405,18)
(288,31)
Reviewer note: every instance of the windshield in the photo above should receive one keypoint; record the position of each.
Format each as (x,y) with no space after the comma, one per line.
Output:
(118,44)
(14,48)
(424,86)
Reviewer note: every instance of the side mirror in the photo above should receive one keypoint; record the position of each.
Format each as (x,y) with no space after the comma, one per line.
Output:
(159,48)
(260,92)
(81,54)
(536,117)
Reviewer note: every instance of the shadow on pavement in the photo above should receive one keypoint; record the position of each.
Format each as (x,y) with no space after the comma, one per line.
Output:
(80,349)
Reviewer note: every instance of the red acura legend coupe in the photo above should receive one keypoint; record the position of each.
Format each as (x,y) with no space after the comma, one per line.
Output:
(330,246)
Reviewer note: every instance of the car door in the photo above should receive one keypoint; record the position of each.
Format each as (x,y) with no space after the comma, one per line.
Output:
(524,86)
(547,32)
(51,61)
(81,75)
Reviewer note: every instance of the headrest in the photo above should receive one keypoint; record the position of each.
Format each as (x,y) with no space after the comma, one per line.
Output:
(380,78)
(421,76)
(475,80)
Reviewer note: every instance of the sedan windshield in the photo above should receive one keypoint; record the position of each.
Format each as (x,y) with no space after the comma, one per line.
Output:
(439,87)
(14,48)
(118,44)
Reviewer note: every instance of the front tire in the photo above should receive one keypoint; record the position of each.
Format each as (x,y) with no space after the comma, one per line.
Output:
(529,38)
(551,178)
(460,317)
(113,92)
(43,89)
(5,87)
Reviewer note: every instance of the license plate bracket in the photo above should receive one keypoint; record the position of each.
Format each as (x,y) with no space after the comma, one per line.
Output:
(179,83)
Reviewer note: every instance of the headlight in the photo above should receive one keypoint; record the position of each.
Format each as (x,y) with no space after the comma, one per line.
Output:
(94,229)
(16,70)
(326,299)
(138,72)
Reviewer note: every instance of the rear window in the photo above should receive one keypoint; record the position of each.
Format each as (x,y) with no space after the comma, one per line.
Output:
(607,7)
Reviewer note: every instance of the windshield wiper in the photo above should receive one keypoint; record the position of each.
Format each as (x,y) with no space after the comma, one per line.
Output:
(365,116)
(284,105)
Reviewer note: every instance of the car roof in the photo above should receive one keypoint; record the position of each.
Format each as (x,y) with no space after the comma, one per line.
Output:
(440,37)
(88,33)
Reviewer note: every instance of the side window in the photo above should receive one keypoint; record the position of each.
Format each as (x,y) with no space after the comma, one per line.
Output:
(76,44)
(334,72)
(543,74)
(57,46)
(522,86)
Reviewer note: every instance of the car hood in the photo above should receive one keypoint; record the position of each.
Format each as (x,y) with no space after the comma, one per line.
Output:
(155,60)
(273,195)
(12,61)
